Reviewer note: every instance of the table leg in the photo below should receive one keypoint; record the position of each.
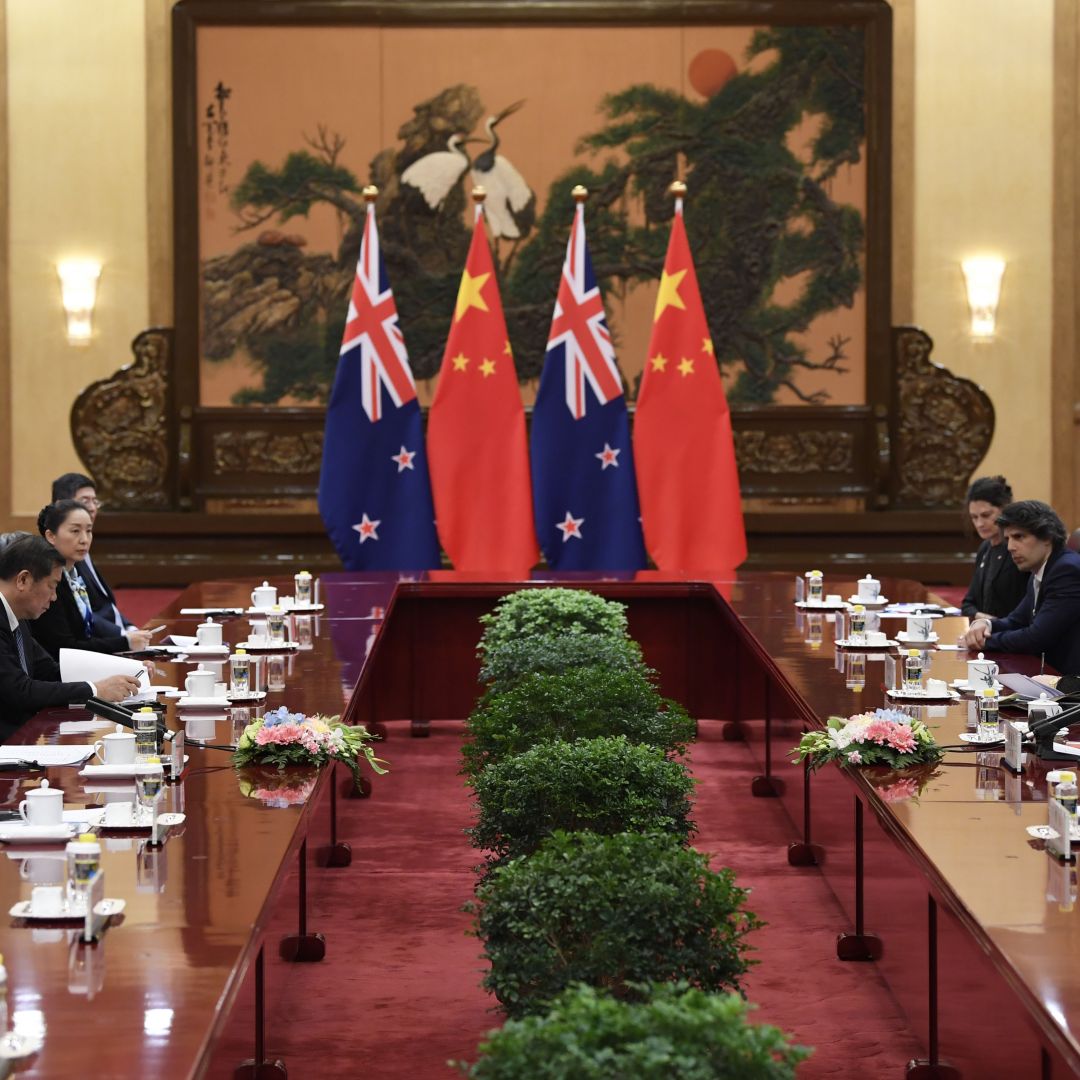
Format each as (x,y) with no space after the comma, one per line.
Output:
(804,852)
(338,853)
(258,1068)
(303,947)
(764,786)
(859,945)
(932,1068)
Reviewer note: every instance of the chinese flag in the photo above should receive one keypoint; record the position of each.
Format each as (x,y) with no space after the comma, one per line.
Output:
(476,444)
(688,482)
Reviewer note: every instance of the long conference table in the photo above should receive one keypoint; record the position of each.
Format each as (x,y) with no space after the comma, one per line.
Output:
(969,920)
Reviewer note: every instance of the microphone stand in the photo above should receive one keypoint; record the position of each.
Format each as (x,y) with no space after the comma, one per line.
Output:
(1044,730)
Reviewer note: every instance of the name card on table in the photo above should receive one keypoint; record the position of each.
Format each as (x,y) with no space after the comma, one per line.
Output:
(1060,822)
(1013,758)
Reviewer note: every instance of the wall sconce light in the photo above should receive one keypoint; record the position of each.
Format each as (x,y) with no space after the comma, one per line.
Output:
(983,277)
(78,291)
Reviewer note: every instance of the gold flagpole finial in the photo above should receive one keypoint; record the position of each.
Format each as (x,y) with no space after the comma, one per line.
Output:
(370,193)
(478,194)
(677,189)
(579,194)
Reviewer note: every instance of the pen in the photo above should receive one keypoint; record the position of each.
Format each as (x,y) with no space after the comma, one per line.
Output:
(156,629)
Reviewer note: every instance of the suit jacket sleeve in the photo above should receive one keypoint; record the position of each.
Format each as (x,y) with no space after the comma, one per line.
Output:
(61,627)
(1056,619)
(26,694)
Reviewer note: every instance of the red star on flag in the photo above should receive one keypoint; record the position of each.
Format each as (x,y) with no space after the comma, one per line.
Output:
(367,528)
(404,459)
(570,527)
(608,457)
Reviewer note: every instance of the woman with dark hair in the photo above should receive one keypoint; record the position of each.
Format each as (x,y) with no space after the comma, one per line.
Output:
(69,621)
(998,586)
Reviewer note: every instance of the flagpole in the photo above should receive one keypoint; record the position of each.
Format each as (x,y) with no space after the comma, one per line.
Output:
(479,194)
(677,189)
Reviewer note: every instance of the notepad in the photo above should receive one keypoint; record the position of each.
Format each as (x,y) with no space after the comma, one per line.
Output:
(46,756)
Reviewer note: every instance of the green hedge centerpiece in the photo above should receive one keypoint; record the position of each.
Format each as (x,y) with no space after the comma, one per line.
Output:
(551,610)
(582,703)
(606,785)
(506,664)
(676,1032)
(610,911)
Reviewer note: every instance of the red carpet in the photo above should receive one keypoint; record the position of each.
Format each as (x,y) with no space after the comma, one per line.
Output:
(398,993)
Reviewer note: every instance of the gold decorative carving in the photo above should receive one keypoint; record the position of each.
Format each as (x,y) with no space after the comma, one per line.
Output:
(267,452)
(120,427)
(944,425)
(795,451)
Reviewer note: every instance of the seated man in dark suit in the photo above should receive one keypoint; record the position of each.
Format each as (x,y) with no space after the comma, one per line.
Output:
(108,621)
(30,568)
(1046,622)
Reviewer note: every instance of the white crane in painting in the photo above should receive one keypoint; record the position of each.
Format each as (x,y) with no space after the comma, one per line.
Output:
(434,175)
(510,204)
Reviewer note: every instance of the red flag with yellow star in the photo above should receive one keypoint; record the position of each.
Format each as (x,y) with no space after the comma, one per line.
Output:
(688,483)
(477,451)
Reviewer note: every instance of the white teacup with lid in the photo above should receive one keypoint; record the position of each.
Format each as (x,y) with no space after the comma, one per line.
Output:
(200,683)
(116,748)
(264,596)
(208,633)
(981,672)
(920,628)
(43,805)
(869,588)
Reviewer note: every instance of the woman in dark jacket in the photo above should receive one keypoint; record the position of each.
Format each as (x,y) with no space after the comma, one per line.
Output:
(998,586)
(69,621)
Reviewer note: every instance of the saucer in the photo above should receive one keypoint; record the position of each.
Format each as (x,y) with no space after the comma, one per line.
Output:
(287,607)
(902,636)
(1044,832)
(103,909)
(900,695)
(184,700)
(966,688)
(21,833)
(847,643)
(268,646)
(118,772)
(15,1045)
(974,737)
(251,695)
(139,820)
(881,601)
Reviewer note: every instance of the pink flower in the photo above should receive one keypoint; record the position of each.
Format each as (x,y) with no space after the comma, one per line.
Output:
(901,738)
(855,757)
(281,735)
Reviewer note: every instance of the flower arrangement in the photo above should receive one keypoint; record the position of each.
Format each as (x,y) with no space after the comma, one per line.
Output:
(283,738)
(882,737)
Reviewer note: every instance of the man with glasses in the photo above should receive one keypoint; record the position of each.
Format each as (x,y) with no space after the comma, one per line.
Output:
(108,621)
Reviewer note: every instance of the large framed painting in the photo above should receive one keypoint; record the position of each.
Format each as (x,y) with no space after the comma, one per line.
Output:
(775,113)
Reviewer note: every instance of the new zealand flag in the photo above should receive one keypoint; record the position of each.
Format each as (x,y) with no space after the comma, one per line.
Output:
(374,490)
(584,492)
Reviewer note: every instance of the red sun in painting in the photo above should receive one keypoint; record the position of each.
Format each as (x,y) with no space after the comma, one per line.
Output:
(710,70)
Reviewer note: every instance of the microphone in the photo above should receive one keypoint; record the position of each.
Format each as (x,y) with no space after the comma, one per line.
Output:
(108,710)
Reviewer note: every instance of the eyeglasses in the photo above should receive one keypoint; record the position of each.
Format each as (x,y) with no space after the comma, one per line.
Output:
(91,500)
